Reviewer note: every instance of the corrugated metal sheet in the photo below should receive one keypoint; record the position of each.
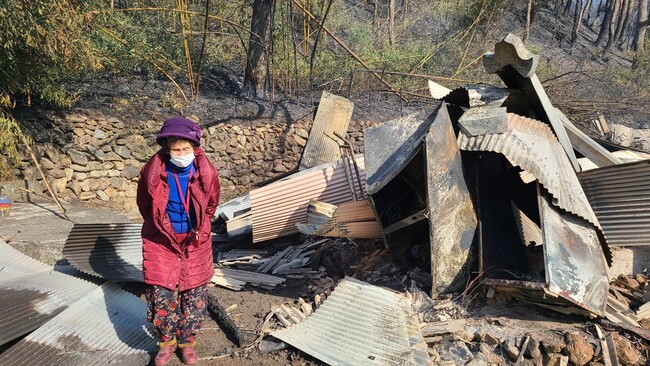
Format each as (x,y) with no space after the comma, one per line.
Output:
(15,264)
(333,116)
(32,292)
(620,196)
(576,268)
(278,207)
(227,210)
(350,219)
(361,324)
(515,65)
(108,326)
(531,145)
(109,251)
(388,147)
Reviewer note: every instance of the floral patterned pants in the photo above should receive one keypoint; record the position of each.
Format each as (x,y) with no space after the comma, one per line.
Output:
(176,315)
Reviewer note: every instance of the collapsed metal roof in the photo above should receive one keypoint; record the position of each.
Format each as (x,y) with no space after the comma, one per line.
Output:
(107,326)
(531,145)
(620,197)
(32,292)
(361,324)
(109,251)
(277,207)
(419,175)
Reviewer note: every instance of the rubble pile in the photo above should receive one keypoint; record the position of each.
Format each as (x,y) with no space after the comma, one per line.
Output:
(490,185)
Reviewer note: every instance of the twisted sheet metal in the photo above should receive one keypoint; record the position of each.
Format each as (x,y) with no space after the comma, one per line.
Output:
(279,206)
(227,210)
(576,268)
(107,326)
(109,251)
(361,324)
(620,196)
(350,219)
(32,292)
(531,145)
(332,118)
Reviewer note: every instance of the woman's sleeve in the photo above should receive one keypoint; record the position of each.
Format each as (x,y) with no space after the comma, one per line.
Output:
(143,198)
(213,195)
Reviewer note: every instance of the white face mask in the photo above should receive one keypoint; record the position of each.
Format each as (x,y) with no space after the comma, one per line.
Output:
(181,161)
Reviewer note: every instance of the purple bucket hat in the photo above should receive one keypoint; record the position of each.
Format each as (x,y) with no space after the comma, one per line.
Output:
(180,127)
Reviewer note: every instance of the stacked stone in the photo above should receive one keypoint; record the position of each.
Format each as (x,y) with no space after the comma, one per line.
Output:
(91,158)
(98,157)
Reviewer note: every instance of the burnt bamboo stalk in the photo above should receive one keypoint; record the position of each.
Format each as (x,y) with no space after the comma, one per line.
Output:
(641,25)
(527,28)
(295,48)
(313,51)
(567,7)
(613,21)
(186,31)
(588,10)
(40,171)
(391,22)
(604,27)
(201,55)
(577,20)
(623,36)
(349,51)
(616,16)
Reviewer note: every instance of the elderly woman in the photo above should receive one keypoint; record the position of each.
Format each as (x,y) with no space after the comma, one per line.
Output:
(178,193)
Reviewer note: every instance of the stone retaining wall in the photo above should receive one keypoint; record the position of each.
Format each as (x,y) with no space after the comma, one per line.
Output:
(96,157)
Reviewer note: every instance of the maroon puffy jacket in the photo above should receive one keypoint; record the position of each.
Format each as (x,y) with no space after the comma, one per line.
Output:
(166,262)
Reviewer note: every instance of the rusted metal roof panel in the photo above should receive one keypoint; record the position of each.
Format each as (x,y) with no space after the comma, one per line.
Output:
(388,147)
(332,118)
(452,219)
(620,197)
(107,326)
(32,292)
(350,219)
(361,324)
(109,251)
(576,268)
(279,206)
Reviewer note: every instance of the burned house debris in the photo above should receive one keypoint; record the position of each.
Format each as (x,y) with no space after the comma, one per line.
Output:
(487,186)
